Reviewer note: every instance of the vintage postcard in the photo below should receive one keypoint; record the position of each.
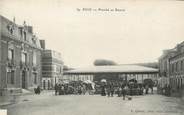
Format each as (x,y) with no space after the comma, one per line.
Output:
(91,57)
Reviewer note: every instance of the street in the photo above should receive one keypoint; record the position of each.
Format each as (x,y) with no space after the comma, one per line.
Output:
(49,104)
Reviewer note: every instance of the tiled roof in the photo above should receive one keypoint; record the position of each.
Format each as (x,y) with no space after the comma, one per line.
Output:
(113,69)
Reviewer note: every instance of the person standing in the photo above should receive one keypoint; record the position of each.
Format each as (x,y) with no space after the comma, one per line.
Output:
(119,91)
(56,88)
(38,90)
(147,89)
(79,90)
(84,89)
(59,89)
(103,90)
(112,89)
(124,91)
(108,89)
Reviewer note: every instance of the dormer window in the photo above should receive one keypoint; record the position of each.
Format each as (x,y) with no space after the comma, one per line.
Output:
(34,40)
(10,28)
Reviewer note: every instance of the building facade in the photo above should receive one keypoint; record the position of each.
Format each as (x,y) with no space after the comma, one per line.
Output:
(164,62)
(177,70)
(52,68)
(174,60)
(20,57)
(164,67)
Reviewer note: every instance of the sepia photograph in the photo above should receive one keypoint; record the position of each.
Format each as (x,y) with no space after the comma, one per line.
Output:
(91,57)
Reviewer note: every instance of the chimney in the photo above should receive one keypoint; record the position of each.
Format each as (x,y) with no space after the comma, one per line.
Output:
(42,43)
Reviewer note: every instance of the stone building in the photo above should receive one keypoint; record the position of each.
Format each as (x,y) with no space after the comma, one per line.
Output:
(171,65)
(164,62)
(20,57)
(177,70)
(52,68)
(164,65)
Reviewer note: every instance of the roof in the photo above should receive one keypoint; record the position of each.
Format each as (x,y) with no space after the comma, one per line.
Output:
(168,52)
(113,69)
(8,25)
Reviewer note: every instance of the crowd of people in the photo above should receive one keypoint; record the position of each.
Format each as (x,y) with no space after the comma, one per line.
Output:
(105,88)
(73,88)
(125,89)
(109,89)
(164,90)
(121,89)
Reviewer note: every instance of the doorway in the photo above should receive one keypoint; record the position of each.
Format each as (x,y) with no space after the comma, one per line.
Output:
(23,79)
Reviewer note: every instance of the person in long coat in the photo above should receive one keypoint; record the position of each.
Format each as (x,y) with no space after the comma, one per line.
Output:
(119,91)
(108,90)
(56,88)
(147,89)
(112,89)
(124,91)
(103,90)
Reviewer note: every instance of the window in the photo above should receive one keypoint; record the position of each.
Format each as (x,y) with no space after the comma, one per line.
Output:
(172,67)
(10,54)
(24,57)
(35,78)
(181,65)
(34,58)
(21,32)
(54,68)
(176,67)
(10,77)
(24,36)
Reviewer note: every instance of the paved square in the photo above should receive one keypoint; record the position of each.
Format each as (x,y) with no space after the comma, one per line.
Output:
(49,104)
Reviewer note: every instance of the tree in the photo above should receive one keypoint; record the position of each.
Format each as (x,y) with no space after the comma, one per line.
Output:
(103,62)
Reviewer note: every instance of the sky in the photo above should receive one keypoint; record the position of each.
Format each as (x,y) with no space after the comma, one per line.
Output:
(136,34)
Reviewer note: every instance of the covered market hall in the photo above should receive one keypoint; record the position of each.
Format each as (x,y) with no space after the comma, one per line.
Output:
(112,73)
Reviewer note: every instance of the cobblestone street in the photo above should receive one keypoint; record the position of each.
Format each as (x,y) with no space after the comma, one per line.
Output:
(49,104)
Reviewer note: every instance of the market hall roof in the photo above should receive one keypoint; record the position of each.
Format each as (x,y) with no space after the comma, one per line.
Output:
(113,69)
